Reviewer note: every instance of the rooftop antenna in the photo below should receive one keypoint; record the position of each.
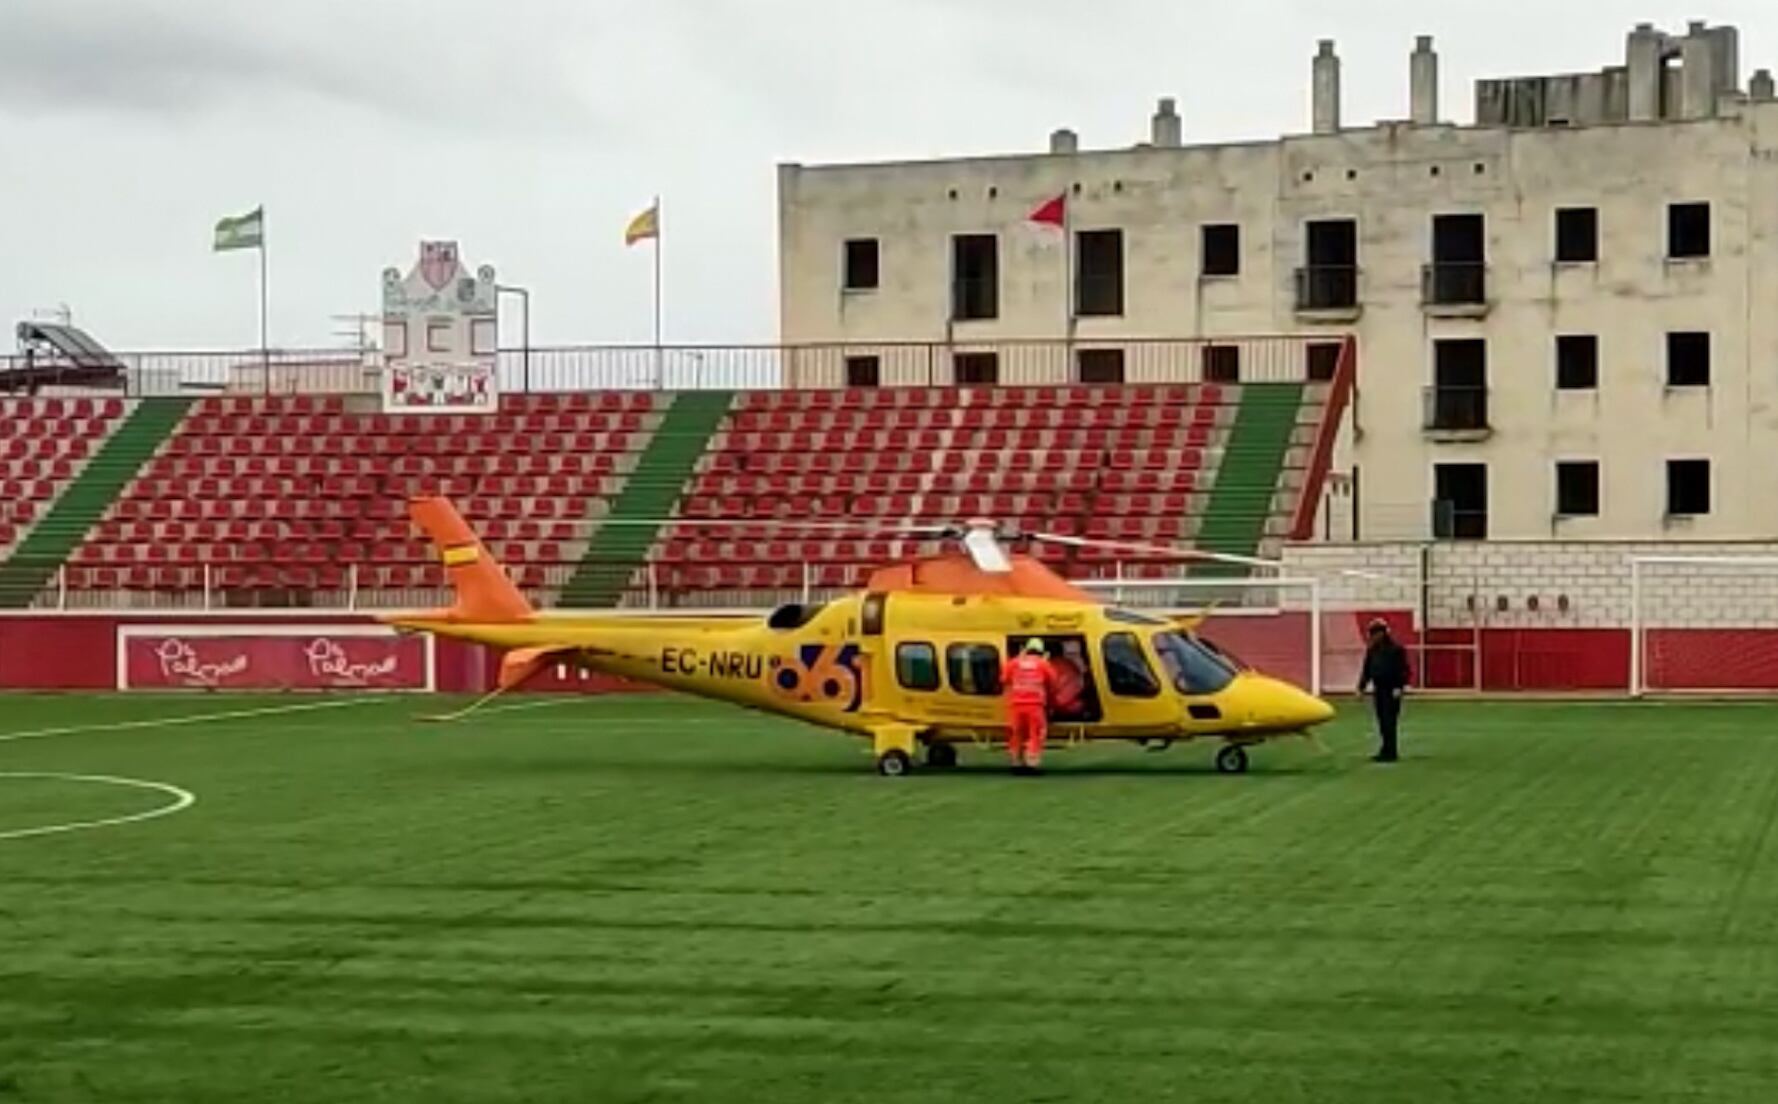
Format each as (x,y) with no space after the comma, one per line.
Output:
(355,331)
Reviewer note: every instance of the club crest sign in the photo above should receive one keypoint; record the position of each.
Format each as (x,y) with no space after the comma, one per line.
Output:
(440,335)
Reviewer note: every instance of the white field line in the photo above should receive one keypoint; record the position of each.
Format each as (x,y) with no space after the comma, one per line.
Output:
(197,718)
(182,799)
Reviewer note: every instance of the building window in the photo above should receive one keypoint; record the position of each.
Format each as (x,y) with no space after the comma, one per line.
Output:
(1458,272)
(1577,362)
(438,334)
(1688,360)
(864,371)
(1222,364)
(1329,279)
(1324,361)
(1099,273)
(1577,488)
(1460,385)
(1222,250)
(976,369)
(1688,488)
(1460,502)
(974,669)
(861,264)
(1127,670)
(916,666)
(1577,235)
(1100,365)
(1688,231)
(975,277)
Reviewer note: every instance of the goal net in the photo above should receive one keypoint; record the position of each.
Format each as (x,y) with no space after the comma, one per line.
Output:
(1704,624)
(1274,625)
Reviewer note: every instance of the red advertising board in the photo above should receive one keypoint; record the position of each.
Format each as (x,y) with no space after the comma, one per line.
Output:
(246,658)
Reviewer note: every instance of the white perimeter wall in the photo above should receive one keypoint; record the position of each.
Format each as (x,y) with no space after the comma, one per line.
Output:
(1593,576)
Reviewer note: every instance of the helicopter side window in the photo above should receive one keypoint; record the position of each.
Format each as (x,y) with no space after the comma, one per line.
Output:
(974,669)
(1193,668)
(1127,670)
(916,666)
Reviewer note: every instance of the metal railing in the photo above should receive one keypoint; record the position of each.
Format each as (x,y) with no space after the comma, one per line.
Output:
(1327,287)
(356,588)
(1455,409)
(707,367)
(1454,284)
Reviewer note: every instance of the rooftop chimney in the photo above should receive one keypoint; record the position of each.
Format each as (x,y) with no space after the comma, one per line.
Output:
(1064,141)
(1698,83)
(1167,130)
(1645,55)
(1763,88)
(1326,86)
(1423,83)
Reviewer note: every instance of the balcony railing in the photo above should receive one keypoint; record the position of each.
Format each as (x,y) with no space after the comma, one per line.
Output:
(1455,410)
(1460,284)
(1327,287)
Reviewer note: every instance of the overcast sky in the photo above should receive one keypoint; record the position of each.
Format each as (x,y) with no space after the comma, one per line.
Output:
(531,130)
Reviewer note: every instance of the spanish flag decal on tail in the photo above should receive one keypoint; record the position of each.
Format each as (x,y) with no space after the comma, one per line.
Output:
(484,593)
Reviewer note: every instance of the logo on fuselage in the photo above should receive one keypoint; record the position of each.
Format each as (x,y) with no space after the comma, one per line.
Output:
(820,674)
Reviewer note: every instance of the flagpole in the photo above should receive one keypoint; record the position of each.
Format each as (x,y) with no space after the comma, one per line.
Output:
(1068,290)
(660,372)
(265,345)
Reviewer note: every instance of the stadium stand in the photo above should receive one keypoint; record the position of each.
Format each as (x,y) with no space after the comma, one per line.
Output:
(1202,464)
(46,446)
(299,499)
(289,493)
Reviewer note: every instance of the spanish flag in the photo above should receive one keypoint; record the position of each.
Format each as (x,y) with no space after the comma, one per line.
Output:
(645,226)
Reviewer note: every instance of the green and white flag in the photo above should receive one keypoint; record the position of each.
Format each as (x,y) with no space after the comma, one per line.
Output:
(243,232)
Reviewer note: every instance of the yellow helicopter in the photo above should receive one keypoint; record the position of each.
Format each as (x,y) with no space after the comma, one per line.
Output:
(912,662)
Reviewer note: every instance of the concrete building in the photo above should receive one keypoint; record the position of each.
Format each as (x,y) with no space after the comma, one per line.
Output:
(1567,312)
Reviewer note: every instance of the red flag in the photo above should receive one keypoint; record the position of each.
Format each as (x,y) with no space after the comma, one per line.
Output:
(1053,212)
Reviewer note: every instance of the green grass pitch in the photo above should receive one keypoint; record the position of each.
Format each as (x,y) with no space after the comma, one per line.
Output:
(649,899)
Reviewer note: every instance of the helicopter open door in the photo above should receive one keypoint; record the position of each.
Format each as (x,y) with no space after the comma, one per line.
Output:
(1078,696)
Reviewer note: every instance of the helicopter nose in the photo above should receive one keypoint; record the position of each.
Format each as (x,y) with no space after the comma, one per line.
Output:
(1312,711)
(1290,708)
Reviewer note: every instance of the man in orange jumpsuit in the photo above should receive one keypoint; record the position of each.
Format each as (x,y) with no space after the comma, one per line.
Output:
(1028,682)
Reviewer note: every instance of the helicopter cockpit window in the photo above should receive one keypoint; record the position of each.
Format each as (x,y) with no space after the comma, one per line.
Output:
(974,669)
(1127,670)
(794,616)
(1193,668)
(916,666)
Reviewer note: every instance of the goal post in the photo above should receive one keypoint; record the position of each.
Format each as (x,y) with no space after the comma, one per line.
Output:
(1703,624)
(1274,624)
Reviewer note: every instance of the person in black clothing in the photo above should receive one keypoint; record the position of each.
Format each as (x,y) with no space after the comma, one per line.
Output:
(1386,676)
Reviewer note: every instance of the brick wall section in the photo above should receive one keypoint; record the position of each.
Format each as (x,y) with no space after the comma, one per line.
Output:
(1593,577)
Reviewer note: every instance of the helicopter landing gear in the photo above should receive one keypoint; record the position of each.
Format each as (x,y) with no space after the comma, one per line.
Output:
(1232,759)
(893,746)
(941,756)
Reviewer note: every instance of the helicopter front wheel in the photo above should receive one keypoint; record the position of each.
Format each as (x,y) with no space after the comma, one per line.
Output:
(894,763)
(941,756)
(1232,759)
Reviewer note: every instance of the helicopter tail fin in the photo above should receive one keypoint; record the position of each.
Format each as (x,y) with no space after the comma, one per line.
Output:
(484,592)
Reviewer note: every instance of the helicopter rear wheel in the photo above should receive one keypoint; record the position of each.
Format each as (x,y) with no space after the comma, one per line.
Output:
(894,763)
(1232,759)
(941,756)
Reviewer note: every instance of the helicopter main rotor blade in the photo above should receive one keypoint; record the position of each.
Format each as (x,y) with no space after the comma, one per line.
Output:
(1157,550)
(779,523)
